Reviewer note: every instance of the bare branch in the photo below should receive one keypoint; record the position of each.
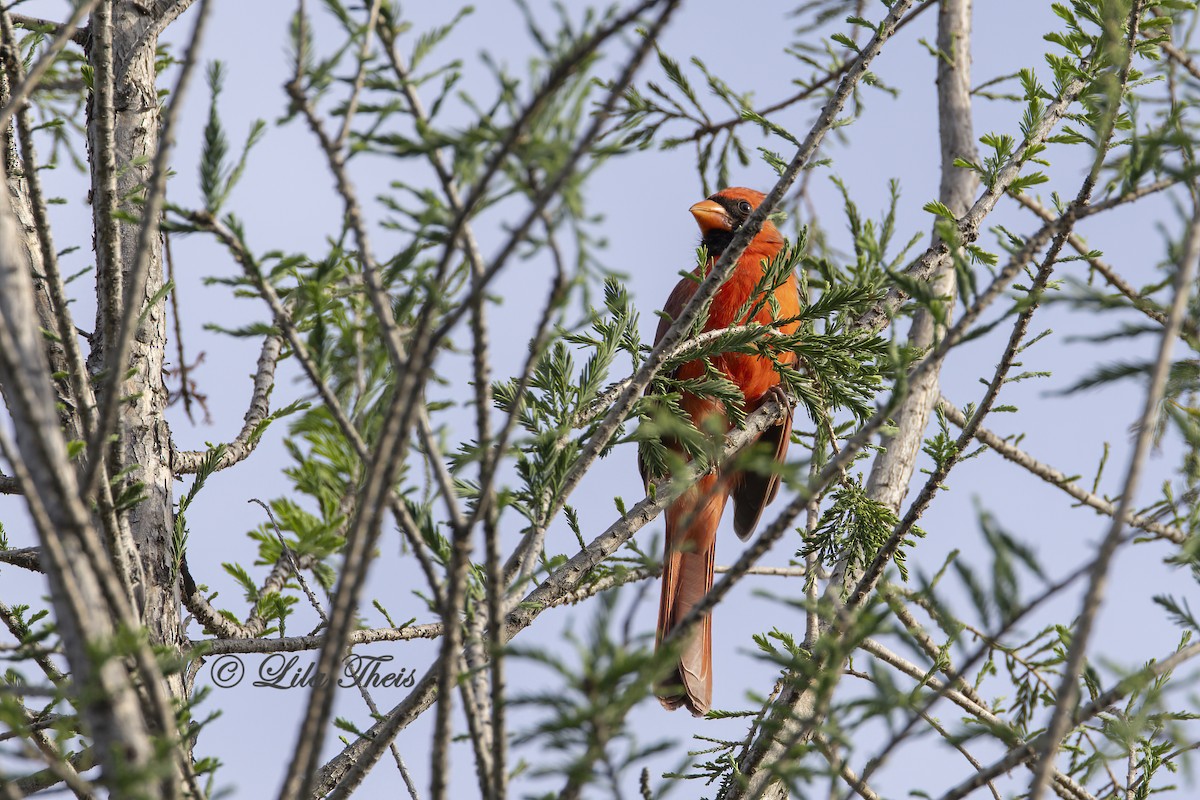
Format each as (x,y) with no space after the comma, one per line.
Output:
(1068,692)
(1057,477)
(186,393)
(1022,754)
(433,630)
(1181,58)
(66,33)
(839,765)
(296,644)
(243,445)
(23,557)
(54,774)
(78,35)
(216,622)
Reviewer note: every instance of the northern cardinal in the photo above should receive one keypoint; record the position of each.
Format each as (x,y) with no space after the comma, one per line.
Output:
(692,519)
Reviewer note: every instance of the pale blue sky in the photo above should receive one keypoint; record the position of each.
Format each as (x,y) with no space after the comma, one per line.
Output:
(287,203)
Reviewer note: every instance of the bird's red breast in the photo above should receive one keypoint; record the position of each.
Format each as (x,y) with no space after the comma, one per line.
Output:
(719,218)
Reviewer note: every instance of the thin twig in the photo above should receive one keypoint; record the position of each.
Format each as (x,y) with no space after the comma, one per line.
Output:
(1022,754)
(1068,692)
(79,35)
(290,557)
(1057,477)
(808,91)
(360,77)
(188,461)
(66,33)
(185,389)
(842,768)
(1107,272)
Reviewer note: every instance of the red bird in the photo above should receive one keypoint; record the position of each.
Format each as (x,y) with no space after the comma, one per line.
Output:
(692,519)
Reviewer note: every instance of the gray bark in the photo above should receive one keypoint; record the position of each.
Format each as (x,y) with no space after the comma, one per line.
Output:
(143,432)
(27,242)
(893,468)
(81,595)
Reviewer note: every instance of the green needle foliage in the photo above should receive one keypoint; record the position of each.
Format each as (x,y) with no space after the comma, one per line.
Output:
(853,530)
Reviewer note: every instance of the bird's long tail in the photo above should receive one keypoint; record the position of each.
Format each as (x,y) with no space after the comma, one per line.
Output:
(687,576)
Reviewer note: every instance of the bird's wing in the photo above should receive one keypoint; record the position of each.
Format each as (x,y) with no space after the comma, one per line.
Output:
(753,491)
(680,295)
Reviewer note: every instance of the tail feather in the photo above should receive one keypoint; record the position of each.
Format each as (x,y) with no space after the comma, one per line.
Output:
(687,576)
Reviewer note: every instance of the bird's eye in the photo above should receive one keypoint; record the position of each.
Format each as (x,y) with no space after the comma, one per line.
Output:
(745,207)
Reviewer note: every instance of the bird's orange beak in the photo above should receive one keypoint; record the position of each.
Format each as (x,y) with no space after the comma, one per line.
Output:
(710,216)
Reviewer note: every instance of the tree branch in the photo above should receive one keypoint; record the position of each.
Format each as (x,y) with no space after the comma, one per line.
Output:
(188,461)
(65,33)
(79,35)
(1068,692)
(85,591)
(23,557)
(1056,477)
(432,630)
(894,465)
(217,623)
(1022,754)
